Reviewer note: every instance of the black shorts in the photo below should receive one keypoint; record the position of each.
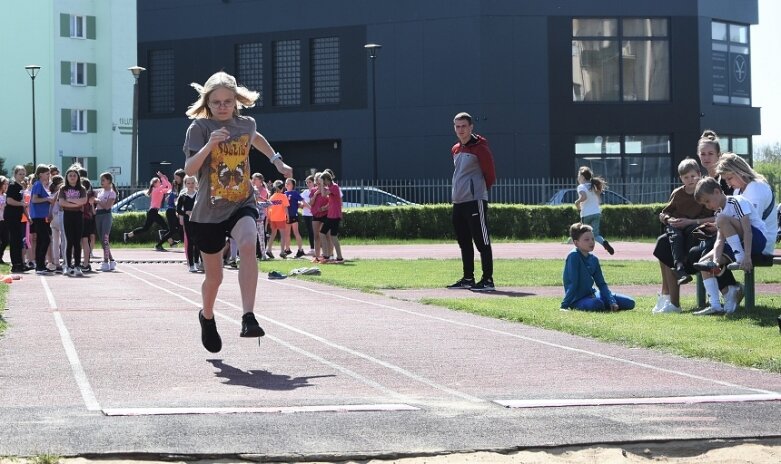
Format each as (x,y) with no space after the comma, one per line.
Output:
(331,225)
(292,220)
(89,227)
(210,238)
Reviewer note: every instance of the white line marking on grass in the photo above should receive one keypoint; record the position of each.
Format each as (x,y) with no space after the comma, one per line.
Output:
(534,340)
(279,410)
(576,402)
(385,364)
(78,371)
(296,349)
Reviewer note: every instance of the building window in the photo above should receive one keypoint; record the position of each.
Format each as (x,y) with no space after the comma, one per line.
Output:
(249,59)
(78,121)
(161,81)
(78,27)
(620,59)
(325,70)
(78,73)
(625,157)
(730,63)
(735,144)
(287,73)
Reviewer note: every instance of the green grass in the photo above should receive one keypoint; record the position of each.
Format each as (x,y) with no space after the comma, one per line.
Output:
(373,275)
(747,338)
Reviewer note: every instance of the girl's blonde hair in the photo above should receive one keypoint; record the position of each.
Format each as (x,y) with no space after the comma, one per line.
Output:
(730,162)
(245,98)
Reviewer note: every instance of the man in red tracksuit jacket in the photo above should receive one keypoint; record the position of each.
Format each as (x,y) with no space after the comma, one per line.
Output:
(473,175)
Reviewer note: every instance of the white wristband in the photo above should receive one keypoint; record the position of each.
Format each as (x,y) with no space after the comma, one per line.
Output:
(276,156)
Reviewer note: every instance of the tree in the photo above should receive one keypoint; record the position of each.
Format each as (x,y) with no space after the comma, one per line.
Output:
(768,153)
(3,171)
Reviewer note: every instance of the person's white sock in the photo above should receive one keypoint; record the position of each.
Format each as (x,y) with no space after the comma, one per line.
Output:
(712,288)
(734,242)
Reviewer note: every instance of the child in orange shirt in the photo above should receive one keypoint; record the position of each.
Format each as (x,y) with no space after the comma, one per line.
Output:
(277,216)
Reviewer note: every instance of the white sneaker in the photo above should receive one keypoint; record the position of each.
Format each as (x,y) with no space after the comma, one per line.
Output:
(709,310)
(77,272)
(193,268)
(112,265)
(668,308)
(105,267)
(71,272)
(661,301)
(732,299)
(200,266)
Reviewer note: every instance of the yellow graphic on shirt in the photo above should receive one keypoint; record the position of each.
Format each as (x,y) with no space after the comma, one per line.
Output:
(228,169)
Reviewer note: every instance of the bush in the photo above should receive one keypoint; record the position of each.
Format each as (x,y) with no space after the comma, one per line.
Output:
(507,221)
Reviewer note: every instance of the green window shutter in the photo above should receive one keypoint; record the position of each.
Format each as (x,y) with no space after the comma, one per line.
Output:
(92,121)
(91,27)
(65,72)
(66,119)
(65,25)
(92,167)
(92,75)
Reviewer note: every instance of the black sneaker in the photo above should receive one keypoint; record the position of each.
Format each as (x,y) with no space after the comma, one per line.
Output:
(159,247)
(19,269)
(485,285)
(209,337)
(608,248)
(250,326)
(300,253)
(269,254)
(682,276)
(463,283)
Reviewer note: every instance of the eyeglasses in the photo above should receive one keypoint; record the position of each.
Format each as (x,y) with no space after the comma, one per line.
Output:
(222,104)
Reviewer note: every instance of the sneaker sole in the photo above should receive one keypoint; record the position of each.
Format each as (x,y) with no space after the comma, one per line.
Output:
(486,290)
(252,332)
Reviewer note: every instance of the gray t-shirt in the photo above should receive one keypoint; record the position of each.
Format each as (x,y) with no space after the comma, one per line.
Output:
(224,177)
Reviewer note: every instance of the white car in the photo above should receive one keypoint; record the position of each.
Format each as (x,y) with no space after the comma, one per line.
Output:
(568,197)
(136,201)
(370,196)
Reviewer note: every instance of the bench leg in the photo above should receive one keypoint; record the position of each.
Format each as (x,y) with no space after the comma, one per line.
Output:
(701,292)
(748,287)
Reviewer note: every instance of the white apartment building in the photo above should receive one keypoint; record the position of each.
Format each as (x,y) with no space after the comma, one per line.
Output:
(83,91)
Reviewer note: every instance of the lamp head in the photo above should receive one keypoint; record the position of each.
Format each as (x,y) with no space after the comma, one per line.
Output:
(32,70)
(136,70)
(373,49)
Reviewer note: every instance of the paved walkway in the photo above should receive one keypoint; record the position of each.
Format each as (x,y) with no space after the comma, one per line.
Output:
(112,363)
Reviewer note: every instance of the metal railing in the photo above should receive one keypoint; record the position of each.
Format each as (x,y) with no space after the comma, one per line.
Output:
(533,191)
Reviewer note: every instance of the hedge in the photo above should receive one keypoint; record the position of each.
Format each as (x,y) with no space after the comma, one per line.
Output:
(433,221)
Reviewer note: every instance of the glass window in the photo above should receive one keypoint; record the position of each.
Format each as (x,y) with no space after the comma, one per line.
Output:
(594,27)
(738,33)
(249,59)
(161,81)
(78,73)
(287,73)
(718,31)
(646,70)
(78,26)
(595,70)
(640,71)
(645,27)
(622,158)
(730,64)
(325,70)
(78,121)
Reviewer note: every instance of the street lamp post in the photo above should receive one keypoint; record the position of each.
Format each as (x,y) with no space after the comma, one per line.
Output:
(373,49)
(136,71)
(32,71)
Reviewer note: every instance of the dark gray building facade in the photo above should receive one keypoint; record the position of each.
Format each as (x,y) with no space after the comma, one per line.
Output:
(626,87)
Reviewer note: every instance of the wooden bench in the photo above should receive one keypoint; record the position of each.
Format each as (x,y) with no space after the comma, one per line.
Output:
(748,280)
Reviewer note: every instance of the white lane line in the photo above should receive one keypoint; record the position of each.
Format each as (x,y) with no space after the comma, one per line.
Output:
(296,349)
(534,340)
(385,364)
(49,295)
(78,371)
(574,402)
(279,410)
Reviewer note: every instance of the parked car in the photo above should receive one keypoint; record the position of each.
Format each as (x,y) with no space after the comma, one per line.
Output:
(568,197)
(136,201)
(370,196)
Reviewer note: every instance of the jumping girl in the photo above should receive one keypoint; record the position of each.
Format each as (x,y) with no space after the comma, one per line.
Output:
(589,192)
(158,187)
